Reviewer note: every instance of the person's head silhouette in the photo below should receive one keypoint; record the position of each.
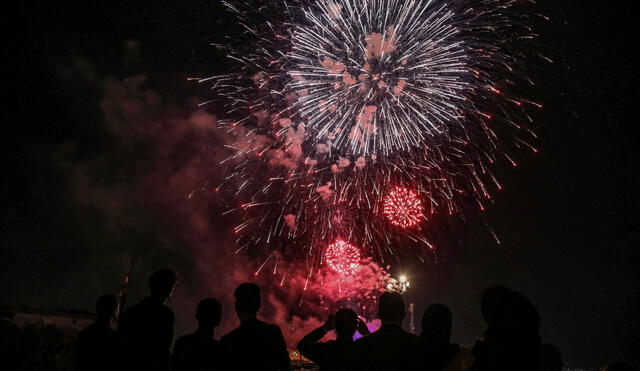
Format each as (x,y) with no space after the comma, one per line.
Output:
(391,308)
(495,304)
(436,324)
(346,323)
(162,283)
(524,310)
(510,316)
(248,300)
(208,314)
(107,308)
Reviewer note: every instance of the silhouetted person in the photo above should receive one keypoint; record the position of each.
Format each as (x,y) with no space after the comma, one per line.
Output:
(390,348)
(146,328)
(334,355)
(96,345)
(254,345)
(511,339)
(200,351)
(440,353)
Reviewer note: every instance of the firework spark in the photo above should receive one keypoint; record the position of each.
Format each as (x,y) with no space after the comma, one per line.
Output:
(333,103)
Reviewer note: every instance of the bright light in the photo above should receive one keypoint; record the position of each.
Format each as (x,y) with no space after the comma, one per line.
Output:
(401,284)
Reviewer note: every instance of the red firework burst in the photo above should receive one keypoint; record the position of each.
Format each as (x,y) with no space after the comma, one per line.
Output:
(403,207)
(342,257)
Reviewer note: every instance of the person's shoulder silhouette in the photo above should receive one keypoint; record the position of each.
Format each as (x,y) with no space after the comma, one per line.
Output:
(199,351)
(254,345)
(146,328)
(390,348)
(96,345)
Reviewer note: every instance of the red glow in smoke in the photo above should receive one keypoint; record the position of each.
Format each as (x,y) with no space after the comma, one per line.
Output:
(342,257)
(403,207)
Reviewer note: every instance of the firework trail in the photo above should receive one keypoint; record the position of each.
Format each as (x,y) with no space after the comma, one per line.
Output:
(358,122)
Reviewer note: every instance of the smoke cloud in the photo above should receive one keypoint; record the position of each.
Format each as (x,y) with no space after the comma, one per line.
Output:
(160,177)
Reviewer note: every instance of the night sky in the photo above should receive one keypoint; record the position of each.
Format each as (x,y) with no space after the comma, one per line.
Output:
(84,189)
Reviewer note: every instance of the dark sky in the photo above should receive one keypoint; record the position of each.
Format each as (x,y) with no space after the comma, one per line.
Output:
(568,218)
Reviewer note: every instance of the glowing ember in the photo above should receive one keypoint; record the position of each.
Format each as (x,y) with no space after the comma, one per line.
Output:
(403,207)
(342,257)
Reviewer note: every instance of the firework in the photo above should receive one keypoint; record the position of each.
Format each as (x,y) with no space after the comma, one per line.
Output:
(342,257)
(334,103)
(403,207)
(387,78)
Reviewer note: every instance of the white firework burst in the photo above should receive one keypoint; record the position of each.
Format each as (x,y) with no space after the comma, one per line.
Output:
(377,76)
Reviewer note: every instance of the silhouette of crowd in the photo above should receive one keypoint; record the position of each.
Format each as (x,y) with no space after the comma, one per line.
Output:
(144,335)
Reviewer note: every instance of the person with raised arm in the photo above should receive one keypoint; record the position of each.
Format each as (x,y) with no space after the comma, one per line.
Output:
(334,355)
